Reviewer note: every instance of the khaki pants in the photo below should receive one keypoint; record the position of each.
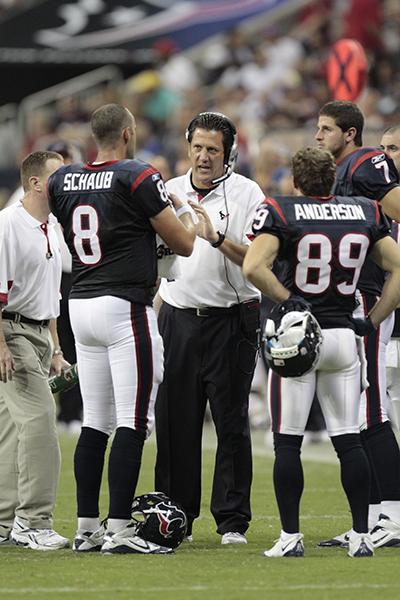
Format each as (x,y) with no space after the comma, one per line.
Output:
(29,449)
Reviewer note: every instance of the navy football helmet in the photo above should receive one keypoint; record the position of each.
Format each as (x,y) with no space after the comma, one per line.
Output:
(291,340)
(159,519)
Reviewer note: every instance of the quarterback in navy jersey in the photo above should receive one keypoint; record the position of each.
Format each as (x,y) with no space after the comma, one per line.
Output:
(105,212)
(323,241)
(110,211)
(370,172)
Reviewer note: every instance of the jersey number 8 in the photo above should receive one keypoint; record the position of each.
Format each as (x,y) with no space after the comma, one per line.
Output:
(85,225)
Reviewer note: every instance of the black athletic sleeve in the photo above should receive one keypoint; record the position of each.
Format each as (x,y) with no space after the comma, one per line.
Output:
(374,175)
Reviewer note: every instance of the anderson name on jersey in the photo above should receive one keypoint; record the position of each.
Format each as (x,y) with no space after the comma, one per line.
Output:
(321,250)
(104,210)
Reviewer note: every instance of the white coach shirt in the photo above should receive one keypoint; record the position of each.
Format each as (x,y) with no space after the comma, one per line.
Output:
(207,277)
(30,264)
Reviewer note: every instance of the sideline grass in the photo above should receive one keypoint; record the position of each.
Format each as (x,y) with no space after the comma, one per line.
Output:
(205,570)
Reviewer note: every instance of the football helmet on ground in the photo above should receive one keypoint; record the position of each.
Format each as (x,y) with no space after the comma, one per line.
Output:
(159,519)
(291,340)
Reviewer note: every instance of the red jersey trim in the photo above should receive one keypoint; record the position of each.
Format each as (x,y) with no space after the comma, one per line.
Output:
(4,298)
(377,214)
(278,209)
(363,158)
(143,175)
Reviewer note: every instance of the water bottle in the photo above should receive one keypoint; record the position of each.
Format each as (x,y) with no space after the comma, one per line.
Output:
(65,381)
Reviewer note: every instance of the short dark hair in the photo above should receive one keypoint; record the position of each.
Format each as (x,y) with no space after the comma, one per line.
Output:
(213,121)
(34,165)
(392,130)
(314,171)
(346,114)
(108,122)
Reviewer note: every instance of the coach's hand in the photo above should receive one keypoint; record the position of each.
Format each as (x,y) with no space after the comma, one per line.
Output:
(7,364)
(362,327)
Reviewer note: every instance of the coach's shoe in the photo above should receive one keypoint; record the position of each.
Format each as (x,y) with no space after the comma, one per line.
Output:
(360,545)
(125,541)
(5,540)
(341,541)
(291,546)
(386,533)
(89,541)
(233,537)
(36,539)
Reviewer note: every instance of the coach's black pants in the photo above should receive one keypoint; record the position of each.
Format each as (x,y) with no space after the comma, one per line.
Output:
(206,358)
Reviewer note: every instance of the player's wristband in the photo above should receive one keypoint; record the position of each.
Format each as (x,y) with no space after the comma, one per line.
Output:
(182,210)
(220,240)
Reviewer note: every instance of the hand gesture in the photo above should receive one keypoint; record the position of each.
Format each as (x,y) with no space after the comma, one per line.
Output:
(204,228)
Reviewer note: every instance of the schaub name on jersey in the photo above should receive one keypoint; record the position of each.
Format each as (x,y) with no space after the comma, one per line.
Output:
(104,210)
(321,252)
(371,173)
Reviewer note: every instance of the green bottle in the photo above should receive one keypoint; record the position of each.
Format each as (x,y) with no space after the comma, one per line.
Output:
(65,381)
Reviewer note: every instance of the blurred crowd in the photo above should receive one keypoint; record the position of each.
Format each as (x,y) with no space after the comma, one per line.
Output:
(271,82)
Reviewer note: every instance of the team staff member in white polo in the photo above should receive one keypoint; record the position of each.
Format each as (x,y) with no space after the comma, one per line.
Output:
(30,275)
(209,320)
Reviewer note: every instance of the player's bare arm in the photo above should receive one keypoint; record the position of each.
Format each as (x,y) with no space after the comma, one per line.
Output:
(386,253)
(206,230)
(391,204)
(257,266)
(7,364)
(177,231)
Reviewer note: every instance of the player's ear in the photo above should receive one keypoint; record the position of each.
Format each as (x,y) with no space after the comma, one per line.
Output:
(126,135)
(350,134)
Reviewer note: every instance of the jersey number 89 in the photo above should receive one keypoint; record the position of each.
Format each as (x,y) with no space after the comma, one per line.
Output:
(315,254)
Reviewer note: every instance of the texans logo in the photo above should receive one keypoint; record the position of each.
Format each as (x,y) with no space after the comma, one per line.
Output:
(166,516)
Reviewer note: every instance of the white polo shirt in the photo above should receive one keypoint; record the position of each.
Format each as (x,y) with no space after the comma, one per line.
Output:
(207,278)
(29,281)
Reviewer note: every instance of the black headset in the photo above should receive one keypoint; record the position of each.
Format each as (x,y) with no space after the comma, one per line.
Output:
(231,153)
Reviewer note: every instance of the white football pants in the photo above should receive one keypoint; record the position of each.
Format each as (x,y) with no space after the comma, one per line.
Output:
(120,362)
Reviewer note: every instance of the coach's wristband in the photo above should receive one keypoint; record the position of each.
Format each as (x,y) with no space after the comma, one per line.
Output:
(58,352)
(220,240)
(182,210)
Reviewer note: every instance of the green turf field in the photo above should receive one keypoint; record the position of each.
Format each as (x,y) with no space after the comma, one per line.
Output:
(205,570)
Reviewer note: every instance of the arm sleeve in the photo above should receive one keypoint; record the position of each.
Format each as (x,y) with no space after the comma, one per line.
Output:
(255,197)
(7,261)
(151,194)
(382,227)
(268,220)
(375,176)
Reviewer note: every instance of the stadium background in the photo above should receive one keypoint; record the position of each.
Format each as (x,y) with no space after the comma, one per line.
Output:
(263,63)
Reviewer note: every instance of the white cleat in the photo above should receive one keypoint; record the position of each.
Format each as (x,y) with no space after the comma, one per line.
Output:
(233,537)
(340,541)
(89,541)
(360,545)
(36,539)
(126,541)
(386,533)
(290,547)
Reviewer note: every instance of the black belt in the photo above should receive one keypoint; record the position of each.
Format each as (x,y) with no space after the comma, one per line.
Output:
(17,318)
(214,311)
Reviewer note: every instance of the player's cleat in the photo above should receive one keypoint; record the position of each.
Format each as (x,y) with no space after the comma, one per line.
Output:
(386,533)
(126,542)
(188,538)
(360,545)
(36,539)
(340,541)
(233,537)
(290,547)
(89,541)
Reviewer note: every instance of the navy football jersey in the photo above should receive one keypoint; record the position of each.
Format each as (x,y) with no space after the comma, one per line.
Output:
(367,172)
(104,210)
(323,245)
